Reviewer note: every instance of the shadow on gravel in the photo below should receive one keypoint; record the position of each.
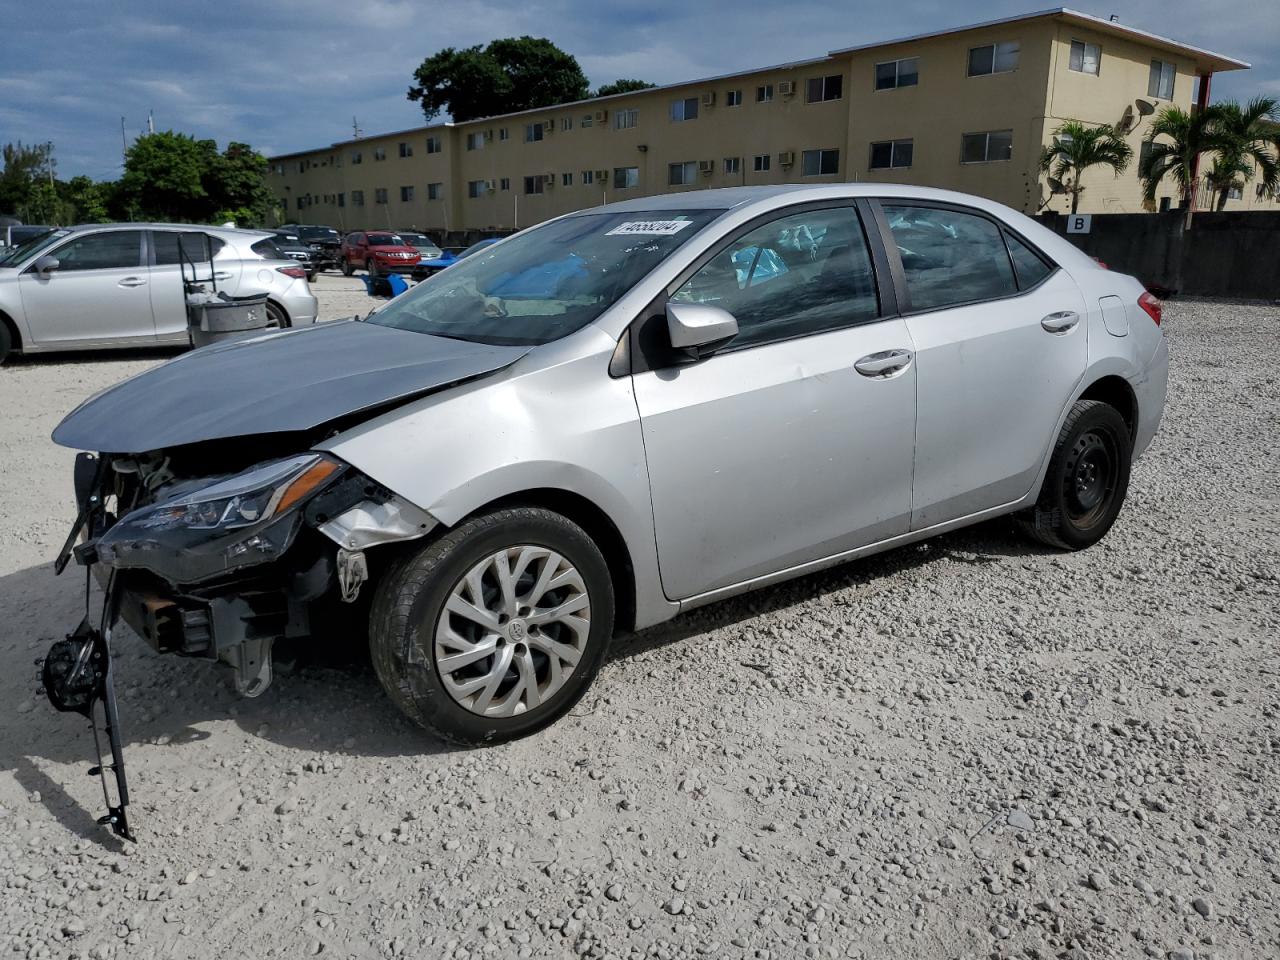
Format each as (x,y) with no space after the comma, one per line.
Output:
(328,699)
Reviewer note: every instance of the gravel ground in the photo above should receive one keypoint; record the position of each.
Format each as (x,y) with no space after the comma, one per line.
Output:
(967,748)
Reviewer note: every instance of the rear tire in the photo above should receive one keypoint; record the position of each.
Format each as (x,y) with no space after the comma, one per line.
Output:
(536,666)
(276,317)
(1087,479)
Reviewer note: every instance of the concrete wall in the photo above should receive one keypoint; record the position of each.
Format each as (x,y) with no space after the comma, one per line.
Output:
(1227,254)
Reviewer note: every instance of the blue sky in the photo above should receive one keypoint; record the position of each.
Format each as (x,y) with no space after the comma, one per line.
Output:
(290,74)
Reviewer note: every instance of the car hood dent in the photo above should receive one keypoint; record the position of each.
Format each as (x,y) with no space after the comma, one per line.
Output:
(277,383)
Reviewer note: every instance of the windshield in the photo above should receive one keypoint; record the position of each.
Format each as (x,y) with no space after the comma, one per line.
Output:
(318,233)
(28,247)
(545,283)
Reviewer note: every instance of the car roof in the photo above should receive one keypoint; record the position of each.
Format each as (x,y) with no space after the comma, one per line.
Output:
(727,198)
(203,227)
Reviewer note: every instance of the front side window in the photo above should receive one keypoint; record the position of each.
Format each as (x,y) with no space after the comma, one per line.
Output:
(799,275)
(625,119)
(547,282)
(1085,57)
(888,154)
(898,73)
(949,257)
(1160,83)
(820,89)
(114,249)
(986,147)
(820,163)
(624,177)
(994,58)
(764,93)
(679,174)
(686,109)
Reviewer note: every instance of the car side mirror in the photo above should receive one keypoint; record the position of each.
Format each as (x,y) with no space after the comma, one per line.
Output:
(699,329)
(45,265)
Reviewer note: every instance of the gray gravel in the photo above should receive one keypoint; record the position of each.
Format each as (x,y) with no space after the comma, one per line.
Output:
(968,748)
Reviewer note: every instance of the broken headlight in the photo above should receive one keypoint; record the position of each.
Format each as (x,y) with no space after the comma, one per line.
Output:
(239,521)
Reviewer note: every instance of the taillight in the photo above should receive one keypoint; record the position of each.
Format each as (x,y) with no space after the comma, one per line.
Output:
(1153,306)
(1101,263)
(296,272)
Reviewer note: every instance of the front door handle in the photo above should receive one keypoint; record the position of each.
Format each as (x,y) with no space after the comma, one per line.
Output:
(1061,322)
(131,282)
(884,364)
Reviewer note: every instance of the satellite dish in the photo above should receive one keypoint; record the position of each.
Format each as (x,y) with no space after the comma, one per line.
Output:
(1126,120)
(1057,186)
(1145,107)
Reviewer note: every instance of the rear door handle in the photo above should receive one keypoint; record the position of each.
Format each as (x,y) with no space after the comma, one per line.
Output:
(132,282)
(884,364)
(1061,322)
(222,275)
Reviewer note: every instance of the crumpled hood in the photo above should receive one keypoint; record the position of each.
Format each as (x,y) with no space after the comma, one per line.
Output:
(277,383)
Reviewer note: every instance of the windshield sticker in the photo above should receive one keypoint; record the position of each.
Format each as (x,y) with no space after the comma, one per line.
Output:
(649,228)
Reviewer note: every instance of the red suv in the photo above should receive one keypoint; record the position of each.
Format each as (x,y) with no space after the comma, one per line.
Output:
(377,252)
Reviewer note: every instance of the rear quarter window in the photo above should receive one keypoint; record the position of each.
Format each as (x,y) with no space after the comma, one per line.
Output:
(267,249)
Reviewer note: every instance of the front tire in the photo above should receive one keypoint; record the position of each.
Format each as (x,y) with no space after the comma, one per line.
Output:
(346,268)
(1087,480)
(6,342)
(497,628)
(371,267)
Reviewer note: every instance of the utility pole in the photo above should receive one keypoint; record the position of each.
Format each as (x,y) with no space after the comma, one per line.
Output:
(124,145)
(151,121)
(355,128)
(48,159)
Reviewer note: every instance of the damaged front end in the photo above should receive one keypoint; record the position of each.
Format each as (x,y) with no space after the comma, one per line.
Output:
(214,565)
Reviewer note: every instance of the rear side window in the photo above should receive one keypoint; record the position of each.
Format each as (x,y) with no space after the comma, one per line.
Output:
(950,257)
(101,251)
(192,246)
(1028,264)
(799,275)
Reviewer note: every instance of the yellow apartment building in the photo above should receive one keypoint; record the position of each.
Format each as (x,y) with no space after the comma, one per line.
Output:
(967,109)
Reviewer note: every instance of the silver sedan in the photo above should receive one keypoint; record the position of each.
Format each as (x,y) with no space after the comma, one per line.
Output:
(121,285)
(612,418)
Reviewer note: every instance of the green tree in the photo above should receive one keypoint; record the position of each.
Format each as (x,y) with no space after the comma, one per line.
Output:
(237,186)
(1187,136)
(1077,147)
(163,176)
(1249,140)
(622,85)
(24,167)
(507,76)
(86,198)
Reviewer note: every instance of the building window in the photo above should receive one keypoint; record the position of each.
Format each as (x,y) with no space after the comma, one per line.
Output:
(624,177)
(994,58)
(434,190)
(587,120)
(357,198)
(356,157)
(380,195)
(1085,57)
(342,199)
(819,163)
(533,184)
(760,162)
(533,132)
(820,89)
(504,133)
(625,119)
(406,150)
(379,153)
(1160,85)
(986,147)
(898,73)
(566,179)
(732,164)
(680,174)
(505,183)
(686,109)
(406,194)
(764,93)
(566,123)
(433,144)
(733,98)
(891,153)
(475,141)
(475,188)
(1234,192)
(588,177)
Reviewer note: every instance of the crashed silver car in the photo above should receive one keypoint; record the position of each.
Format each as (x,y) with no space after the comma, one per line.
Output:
(611,418)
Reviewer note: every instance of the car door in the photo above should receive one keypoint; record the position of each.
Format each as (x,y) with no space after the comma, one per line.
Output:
(775,450)
(97,294)
(176,255)
(999,353)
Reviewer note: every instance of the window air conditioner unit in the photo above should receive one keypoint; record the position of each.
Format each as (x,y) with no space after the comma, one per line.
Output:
(548,179)
(709,98)
(786,158)
(602,116)
(602,174)
(786,88)
(706,167)
(491,185)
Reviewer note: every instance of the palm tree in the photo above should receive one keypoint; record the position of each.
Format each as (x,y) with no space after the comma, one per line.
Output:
(1250,140)
(1077,147)
(1187,136)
